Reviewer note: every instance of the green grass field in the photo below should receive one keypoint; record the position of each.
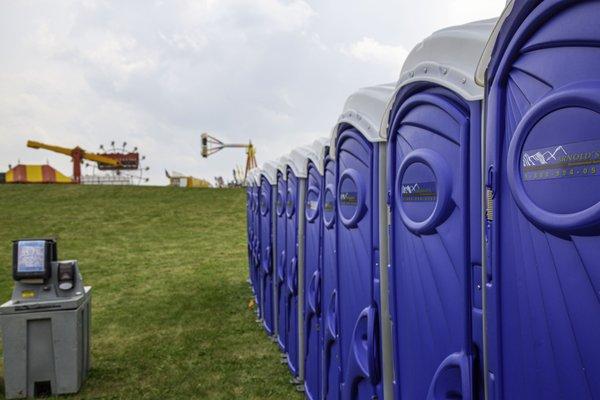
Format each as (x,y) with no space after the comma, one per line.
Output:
(168,268)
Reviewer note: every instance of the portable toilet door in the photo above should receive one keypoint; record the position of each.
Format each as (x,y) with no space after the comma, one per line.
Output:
(434,186)
(268,181)
(330,382)
(281,259)
(542,228)
(252,232)
(358,149)
(313,229)
(296,190)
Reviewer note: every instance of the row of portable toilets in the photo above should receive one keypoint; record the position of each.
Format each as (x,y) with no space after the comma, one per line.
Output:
(443,242)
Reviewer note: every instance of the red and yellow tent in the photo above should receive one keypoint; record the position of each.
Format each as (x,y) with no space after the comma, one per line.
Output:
(35,174)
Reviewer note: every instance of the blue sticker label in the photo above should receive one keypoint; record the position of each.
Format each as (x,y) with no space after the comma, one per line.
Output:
(572,160)
(31,256)
(419,192)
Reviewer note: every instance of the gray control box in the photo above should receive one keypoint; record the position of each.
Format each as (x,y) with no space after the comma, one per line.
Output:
(45,329)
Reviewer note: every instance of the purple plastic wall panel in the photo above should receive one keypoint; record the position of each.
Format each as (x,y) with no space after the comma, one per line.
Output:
(249,231)
(257,255)
(357,263)
(280,276)
(266,253)
(312,282)
(329,282)
(520,10)
(291,246)
(434,184)
(543,163)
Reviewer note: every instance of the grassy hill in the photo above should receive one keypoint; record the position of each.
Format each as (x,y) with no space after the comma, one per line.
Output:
(168,268)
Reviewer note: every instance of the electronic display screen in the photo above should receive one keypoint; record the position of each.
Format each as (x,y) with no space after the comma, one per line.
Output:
(31,257)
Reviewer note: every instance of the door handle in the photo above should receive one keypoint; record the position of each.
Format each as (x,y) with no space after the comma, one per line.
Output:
(332,316)
(266,265)
(313,290)
(455,361)
(372,339)
(363,356)
(280,267)
(318,293)
(292,279)
(330,336)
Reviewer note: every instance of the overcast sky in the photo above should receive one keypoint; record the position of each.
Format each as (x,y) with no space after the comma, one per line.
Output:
(159,73)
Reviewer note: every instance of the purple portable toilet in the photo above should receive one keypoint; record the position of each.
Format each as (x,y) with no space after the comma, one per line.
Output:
(313,230)
(331,372)
(250,187)
(434,192)
(268,183)
(296,174)
(361,244)
(249,232)
(255,182)
(280,255)
(542,181)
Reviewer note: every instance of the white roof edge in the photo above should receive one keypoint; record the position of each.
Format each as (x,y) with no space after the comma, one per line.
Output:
(436,60)
(297,161)
(486,55)
(364,110)
(317,156)
(269,171)
(282,165)
(251,178)
(332,138)
(449,58)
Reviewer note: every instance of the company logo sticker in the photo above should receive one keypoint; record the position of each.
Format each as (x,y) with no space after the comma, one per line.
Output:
(572,160)
(349,198)
(419,192)
(328,206)
(312,204)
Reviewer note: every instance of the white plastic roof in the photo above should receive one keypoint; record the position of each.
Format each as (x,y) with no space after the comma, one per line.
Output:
(486,56)
(364,110)
(298,160)
(449,58)
(269,171)
(252,178)
(282,163)
(317,156)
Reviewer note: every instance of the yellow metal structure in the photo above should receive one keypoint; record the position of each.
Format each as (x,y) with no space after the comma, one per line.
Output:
(77,155)
(68,152)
